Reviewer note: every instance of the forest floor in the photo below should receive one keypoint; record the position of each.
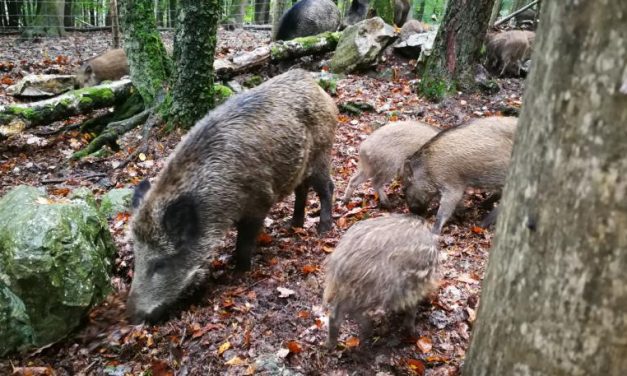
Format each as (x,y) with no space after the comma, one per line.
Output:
(244,324)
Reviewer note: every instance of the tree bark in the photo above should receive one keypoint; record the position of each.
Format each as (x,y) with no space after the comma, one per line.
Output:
(68,16)
(150,66)
(495,12)
(278,8)
(48,20)
(115,23)
(555,292)
(457,48)
(194,47)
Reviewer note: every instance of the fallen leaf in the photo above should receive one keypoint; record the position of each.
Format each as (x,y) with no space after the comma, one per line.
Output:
(471,314)
(294,347)
(477,230)
(303,314)
(309,269)
(328,249)
(235,361)
(282,353)
(160,368)
(416,366)
(60,191)
(264,239)
(351,342)
(285,293)
(424,344)
(223,347)
(436,359)
(33,371)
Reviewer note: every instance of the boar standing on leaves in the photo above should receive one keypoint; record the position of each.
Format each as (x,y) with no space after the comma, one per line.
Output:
(233,165)
(110,66)
(474,155)
(509,49)
(387,263)
(382,154)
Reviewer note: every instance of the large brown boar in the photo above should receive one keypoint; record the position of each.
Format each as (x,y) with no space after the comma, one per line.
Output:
(507,50)
(474,155)
(387,263)
(382,154)
(111,65)
(233,165)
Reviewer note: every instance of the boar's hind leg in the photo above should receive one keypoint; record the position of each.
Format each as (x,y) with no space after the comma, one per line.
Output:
(336,317)
(298,219)
(379,186)
(448,203)
(323,185)
(358,178)
(247,231)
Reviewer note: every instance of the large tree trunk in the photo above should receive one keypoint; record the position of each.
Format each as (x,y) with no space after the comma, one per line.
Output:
(149,63)
(194,46)
(555,294)
(457,48)
(48,20)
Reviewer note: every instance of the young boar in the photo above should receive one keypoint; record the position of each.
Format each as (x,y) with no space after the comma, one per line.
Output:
(382,154)
(387,263)
(475,155)
(232,166)
(509,49)
(111,65)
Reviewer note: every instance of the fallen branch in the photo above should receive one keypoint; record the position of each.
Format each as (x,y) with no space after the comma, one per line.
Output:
(277,51)
(15,118)
(519,11)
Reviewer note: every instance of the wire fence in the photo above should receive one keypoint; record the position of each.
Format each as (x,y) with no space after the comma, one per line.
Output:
(54,17)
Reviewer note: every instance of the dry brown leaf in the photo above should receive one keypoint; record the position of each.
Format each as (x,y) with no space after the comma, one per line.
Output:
(309,269)
(33,371)
(223,347)
(351,342)
(424,344)
(416,366)
(303,314)
(294,347)
(235,361)
(264,239)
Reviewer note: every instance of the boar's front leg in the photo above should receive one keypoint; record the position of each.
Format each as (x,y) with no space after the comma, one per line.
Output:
(448,203)
(247,231)
(323,185)
(300,201)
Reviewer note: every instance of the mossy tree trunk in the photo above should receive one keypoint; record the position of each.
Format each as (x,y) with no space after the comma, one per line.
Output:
(194,46)
(48,21)
(457,48)
(384,9)
(149,63)
(555,292)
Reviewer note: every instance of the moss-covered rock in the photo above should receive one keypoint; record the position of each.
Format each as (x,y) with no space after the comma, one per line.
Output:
(116,201)
(361,44)
(55,264)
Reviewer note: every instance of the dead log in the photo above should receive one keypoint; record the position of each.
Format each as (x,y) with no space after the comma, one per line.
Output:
(15,118)
(277,51)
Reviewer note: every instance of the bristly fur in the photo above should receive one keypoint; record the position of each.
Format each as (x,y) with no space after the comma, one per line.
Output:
(387,263)
(111,65)
(382,154)
(229,170)
(474,155)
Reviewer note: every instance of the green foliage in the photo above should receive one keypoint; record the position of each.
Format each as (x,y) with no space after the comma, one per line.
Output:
(435,88)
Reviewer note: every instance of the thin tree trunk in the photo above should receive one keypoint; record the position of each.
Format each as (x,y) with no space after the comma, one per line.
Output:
(495,12)
(555,294)
(68,16)
(115,24)
(149,63)
(172,12)
(192,93)
(457,48)
(278,8)
(14,9)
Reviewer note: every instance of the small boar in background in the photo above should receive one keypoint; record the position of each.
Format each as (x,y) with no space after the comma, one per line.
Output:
(412,27)
(110,66)
(360,10)
(387,263)
(474,155)
(308,17)
(508,50)
(231,167)
(382,154)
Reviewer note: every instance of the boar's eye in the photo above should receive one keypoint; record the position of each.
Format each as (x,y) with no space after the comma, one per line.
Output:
(159,266)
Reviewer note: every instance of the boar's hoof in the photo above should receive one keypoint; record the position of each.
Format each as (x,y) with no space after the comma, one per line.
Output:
(324,226)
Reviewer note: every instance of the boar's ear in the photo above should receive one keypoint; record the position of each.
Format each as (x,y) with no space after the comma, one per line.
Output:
(181,220)
(139,193)
(88,69)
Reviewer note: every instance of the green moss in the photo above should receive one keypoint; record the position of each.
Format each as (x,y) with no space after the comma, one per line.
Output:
(435,89)
(252,81)
(23,112)
(85,101)
(221,93)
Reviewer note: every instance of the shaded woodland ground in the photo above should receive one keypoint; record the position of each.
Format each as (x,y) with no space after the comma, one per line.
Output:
(244,318)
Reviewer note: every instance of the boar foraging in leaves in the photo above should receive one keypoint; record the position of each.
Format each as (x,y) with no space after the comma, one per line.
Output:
(387,263)
(230,169)
(111,65)
(382,154)
(474,155)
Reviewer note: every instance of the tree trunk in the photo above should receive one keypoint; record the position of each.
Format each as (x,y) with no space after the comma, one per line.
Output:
(149,64)
(194,47)
(555,293)
(384,9)
(278,8)
(172,13)
(262,12)
(495,12)
(48,20)
(115,23)
(457,48)
(68,15)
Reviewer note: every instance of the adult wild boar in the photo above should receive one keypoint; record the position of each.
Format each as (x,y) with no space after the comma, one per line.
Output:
(382,154)
(111,65)
(232,166)
(308,17)
(509,49)
(474,155)
(387,263)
